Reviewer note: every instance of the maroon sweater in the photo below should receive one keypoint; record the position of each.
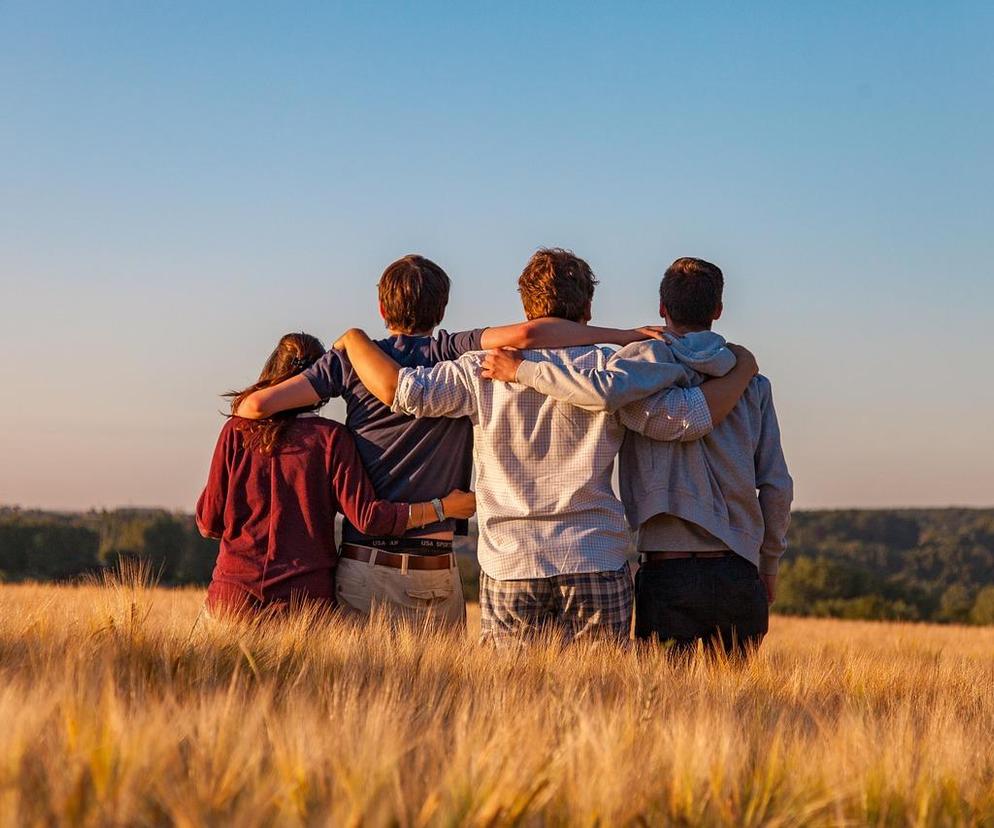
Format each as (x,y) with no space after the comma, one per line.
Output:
(275,515)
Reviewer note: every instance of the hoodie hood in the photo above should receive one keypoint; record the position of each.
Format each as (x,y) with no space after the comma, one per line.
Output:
(703,351)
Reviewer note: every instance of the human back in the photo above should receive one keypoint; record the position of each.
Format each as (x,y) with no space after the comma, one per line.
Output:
(274,512)
(710,482)
(545,499)
(408,458)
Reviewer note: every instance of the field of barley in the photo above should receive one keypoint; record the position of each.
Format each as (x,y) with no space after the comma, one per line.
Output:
(120,704)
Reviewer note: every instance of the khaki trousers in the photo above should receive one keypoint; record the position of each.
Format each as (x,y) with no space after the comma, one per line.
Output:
(419,596)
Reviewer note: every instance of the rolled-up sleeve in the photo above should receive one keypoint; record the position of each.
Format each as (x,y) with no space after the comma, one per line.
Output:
(673,414)
(444,390)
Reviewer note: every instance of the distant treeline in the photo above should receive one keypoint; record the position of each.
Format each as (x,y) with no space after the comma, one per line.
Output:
(914,564)
(908,564)
(54,546)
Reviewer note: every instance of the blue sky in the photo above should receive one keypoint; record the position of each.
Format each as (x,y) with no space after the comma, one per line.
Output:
(182,183)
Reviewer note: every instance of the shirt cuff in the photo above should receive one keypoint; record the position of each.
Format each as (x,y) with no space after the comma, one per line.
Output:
(407,393)
(769,564)
(526,373)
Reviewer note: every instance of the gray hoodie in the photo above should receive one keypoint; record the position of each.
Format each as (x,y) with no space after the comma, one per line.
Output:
(733,482)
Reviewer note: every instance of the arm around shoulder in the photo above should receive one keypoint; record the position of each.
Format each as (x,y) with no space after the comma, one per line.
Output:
(296,392)
(447,389)
(626,378)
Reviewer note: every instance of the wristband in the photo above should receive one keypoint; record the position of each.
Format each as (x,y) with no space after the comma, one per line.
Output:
(439,511)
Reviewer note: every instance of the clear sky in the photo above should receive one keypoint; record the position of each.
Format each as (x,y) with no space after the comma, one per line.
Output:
(181,183)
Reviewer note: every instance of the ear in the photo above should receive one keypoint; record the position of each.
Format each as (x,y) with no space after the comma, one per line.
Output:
(717,313)
(383,313)
(662,311)
(587,313)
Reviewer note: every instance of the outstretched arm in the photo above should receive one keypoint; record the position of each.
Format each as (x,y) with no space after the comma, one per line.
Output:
(647,391)
(295,392)
(376,370)
(358,502)
(723,393)
(687,414)
(323,380)
(550,332)
(628,377)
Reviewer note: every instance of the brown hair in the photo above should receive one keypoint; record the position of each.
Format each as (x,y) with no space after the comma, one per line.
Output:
(413,294)
(691,291)
(555,282)
(295,353)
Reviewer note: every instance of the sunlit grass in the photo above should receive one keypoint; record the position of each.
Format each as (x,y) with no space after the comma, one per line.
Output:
(123,704)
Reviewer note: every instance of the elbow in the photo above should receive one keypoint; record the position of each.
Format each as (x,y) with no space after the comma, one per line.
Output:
(252,409)
(205,532)
(387,394)
(529,336)
(382,520)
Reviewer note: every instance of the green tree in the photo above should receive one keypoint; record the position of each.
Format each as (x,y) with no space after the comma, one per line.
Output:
(955,605)
(164,545)
(983,607)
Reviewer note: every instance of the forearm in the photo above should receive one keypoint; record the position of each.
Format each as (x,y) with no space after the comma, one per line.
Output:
(723,393)
(607,389)
(775,506)
(456,504)
(776,494)
(551,332)
(295,392)
(377,371)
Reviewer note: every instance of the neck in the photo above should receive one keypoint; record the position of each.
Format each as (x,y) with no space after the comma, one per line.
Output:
(680,330)
(398,332)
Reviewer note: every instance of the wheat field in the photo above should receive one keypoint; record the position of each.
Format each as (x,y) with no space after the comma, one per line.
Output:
(121,705)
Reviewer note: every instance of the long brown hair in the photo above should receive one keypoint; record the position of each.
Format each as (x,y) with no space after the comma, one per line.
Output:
(295,353)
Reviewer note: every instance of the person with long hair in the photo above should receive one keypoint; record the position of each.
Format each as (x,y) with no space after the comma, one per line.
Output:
(274,489)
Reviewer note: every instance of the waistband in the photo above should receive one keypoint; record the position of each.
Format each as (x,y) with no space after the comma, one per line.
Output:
(397,560)
(652,557)
(405,546)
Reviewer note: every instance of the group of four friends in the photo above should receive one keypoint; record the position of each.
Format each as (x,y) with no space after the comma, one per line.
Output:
(542,411)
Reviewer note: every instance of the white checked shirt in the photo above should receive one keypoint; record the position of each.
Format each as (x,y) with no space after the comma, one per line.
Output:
(545,502)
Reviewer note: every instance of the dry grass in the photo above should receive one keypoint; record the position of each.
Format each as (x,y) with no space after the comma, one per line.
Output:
(118,706)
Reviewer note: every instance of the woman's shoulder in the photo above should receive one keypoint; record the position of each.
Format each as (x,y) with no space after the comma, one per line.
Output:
(230,427)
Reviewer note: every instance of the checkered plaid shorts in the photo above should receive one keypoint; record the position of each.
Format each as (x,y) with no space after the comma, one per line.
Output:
(573,606)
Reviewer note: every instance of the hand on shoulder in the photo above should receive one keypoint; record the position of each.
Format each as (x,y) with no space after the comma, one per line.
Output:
(501,364)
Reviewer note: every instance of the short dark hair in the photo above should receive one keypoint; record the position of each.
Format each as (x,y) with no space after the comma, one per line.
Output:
(555,282)
(691,291)
(413,293)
